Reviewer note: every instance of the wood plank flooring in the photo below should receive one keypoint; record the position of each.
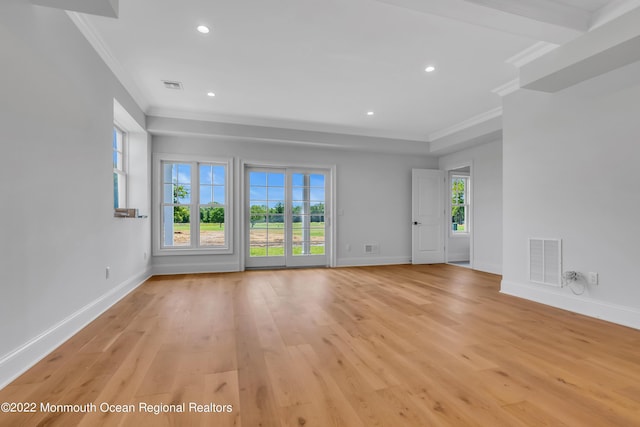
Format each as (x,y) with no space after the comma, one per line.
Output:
(374,346)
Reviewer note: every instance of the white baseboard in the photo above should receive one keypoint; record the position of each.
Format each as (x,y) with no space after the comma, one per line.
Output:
(488,268)
(16,362)
(365,261)
(615,313)
(167,269)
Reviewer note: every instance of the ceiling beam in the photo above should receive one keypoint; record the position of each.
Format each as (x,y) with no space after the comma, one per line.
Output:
(172,126)
(604,49)
(523,21)
(108,8)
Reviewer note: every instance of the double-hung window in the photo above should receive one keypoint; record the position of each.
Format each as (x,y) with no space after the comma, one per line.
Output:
(195,207)
(459,204)
(119,168)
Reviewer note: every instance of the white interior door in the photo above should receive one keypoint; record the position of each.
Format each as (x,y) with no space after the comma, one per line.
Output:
(428,216)
(287,217)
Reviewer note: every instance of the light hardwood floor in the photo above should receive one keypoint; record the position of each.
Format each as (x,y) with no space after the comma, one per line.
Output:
(375,346)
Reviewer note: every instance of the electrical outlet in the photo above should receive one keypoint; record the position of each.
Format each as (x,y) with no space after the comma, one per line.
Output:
(107,271)
(593,278)
(348,247)
(145,256)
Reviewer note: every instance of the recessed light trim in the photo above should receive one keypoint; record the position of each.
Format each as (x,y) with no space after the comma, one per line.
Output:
(430,69)
(370,113)
(203,29)
(211,94)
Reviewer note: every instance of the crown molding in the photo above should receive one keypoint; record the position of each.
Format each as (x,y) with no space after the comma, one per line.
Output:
(507,88)
(470,122)
(91,34)
(531,53)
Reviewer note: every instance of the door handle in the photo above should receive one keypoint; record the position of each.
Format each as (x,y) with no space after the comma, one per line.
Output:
(416,223)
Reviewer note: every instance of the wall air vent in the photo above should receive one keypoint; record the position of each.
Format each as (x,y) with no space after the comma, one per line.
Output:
(169,84)
(545,261)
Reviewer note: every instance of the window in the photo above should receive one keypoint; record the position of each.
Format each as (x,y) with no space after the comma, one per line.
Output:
(119,168)
(195,205)
(459,204)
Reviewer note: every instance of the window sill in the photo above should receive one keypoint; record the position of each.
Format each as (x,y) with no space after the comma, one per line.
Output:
(191,251)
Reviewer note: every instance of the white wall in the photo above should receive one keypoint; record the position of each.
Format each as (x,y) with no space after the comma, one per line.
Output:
(59,234)
(486,190)
(570,162)
(373,193)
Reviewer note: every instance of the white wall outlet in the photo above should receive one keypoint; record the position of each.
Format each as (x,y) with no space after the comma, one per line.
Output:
(106,273)
(593,278)
(348,247)
(145,256)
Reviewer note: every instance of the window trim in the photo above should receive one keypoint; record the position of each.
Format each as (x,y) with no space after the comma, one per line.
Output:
(466,205)
(193,249)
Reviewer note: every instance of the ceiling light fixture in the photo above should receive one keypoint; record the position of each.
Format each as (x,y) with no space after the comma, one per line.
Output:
(211,94)
(430,69)
(369,113)
(203,29)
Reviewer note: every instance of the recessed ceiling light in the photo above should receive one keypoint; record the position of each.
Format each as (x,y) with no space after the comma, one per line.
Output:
(430,69)
(203,29)
(369,113)
(211,94)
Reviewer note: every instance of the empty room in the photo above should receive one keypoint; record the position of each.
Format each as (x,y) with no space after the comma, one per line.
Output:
(320,213)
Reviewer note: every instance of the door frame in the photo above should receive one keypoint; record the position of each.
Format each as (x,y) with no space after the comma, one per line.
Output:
(330,198)
(447,192)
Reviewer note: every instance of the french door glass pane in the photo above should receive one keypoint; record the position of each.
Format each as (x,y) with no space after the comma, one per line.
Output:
(267,208)
(307,213)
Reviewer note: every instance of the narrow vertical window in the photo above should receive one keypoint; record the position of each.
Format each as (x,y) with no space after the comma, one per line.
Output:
(119,169)
(459,204)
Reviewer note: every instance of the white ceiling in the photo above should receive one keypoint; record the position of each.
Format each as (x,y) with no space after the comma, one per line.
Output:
(322,64)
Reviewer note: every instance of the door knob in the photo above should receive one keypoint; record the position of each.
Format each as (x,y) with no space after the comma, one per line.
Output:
(416,223)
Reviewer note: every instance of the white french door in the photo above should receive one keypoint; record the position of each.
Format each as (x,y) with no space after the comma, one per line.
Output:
(286,217)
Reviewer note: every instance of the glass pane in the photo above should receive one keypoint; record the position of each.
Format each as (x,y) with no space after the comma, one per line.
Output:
(297,179)
(317,221)
(258,193)
(316,180)
(167,175)
(458,219)
(275,250)
(167,193)
(276,219)
(317,194)
(276,206)
(212,226)
(317,208)
(258,237)
(122,190)
(297,207)
(218,195)
(184,174)
(297,194)
(258,213)
(116,190)
(182,194)
(275,179)
(275,193)
(258,178)
(219,175)
(118,160)
(206,194)
(176,226)
(206,174)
